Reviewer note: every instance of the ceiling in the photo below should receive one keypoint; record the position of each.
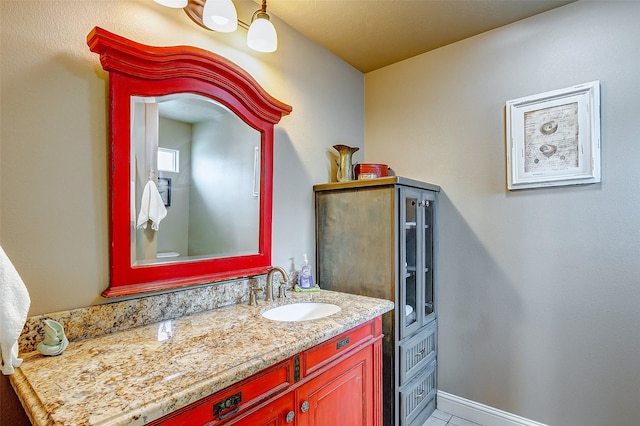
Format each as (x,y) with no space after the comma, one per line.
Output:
(371,34)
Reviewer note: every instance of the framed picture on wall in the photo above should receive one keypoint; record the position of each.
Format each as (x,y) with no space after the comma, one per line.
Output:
(553,138)
(164,188)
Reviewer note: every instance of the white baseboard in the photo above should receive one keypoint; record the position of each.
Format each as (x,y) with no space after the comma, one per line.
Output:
(479,413)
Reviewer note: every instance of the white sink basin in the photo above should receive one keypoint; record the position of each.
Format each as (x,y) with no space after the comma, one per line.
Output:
(303,311)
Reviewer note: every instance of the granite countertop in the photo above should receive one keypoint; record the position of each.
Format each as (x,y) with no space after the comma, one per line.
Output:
(135,376)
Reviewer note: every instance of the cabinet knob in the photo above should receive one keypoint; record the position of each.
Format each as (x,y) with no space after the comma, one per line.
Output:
(424,203)
(290,416)
(304,407)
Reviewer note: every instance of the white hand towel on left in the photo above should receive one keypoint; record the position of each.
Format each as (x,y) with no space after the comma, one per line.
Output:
(14,307)
(151,207)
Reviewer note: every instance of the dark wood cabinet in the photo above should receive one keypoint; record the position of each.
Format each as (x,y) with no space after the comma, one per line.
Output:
(378,238)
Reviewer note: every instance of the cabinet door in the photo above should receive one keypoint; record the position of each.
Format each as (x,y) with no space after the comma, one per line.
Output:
(409,307)
(279,412)
(426,225)
(343,395)
(416,295)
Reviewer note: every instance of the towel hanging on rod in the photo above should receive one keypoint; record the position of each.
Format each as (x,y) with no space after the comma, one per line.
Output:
(151,207)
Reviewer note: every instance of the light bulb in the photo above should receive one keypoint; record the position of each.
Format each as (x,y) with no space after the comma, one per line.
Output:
(262,35)
(177,4)
(220,15)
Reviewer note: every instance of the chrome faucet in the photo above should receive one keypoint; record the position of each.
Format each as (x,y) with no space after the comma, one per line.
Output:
(269,287)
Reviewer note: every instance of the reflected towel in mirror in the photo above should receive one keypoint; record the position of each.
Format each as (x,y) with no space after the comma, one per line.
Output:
(151,207)
(14,307)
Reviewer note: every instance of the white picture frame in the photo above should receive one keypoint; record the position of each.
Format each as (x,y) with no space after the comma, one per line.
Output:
(553,138)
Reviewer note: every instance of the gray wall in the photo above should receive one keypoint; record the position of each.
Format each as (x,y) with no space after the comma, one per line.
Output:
(539,289)
(224,216)
(173,235)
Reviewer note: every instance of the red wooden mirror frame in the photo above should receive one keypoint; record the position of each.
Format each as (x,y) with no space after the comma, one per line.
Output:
(139,70)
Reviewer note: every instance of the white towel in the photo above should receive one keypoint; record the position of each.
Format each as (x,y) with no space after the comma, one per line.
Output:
(151,207)
(14,307)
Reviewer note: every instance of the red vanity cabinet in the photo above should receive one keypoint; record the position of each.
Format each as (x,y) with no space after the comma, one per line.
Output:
(336,382)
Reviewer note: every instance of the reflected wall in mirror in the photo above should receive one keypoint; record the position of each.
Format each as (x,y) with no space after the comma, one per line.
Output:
(201,130)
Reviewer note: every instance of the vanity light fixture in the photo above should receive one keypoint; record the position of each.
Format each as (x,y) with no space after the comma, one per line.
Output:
(262,34)
(221,16)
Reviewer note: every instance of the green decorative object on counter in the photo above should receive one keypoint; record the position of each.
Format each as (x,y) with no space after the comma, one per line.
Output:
(55,341)
(314,288)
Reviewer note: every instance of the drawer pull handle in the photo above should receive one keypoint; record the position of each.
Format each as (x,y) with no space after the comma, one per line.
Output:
(420,395)
(304,407)
(227,407)
(290,416)
(296,368)
(419,354)
(342,343)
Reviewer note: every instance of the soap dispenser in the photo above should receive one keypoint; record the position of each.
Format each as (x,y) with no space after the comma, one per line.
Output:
(306,279)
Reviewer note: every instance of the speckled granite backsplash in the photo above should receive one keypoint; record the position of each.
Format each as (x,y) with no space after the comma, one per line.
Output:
(93,321)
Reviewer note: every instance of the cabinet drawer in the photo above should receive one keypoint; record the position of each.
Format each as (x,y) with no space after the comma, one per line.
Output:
(326,352)
(417,351)
(213,409)
(417,398)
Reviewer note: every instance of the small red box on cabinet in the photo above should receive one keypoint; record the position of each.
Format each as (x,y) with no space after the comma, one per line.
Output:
(371,171)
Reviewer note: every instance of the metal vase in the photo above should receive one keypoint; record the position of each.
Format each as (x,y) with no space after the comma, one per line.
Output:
(345,166)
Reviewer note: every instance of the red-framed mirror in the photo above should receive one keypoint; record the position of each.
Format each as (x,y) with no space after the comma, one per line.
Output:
(191,166)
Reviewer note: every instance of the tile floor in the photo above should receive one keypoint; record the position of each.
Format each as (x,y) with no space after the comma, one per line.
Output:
(440,418)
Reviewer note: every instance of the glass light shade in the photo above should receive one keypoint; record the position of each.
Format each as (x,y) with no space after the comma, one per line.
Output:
(177,4)
(220,15)
(262,36)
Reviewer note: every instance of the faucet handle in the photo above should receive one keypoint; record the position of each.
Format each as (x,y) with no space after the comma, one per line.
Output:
(282,292)
(253,301)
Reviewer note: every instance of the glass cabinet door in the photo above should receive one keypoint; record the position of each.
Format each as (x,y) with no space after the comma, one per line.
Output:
(427,256)
(409,307)
(416,306)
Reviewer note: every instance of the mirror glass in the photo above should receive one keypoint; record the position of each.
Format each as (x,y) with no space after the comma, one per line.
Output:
(205,161)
